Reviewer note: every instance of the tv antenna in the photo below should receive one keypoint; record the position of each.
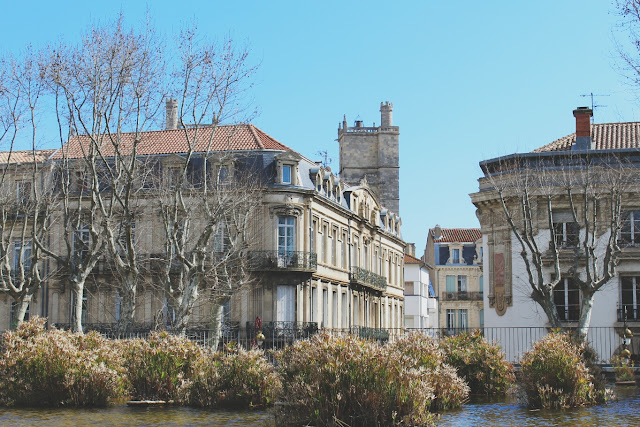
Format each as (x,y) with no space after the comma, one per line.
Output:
(593,105)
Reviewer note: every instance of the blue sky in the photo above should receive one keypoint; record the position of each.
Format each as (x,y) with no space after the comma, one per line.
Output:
(469,80)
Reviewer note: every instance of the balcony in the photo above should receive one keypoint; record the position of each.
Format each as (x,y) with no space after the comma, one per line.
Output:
(283,261)
(362,277)
(461,296)
(632,314)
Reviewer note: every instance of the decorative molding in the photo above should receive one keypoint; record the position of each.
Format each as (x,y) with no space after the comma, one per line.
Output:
(286,210)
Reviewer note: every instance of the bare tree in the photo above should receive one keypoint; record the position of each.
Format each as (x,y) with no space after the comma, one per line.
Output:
(200,201)
(25,203)
(567,218)
(106,93)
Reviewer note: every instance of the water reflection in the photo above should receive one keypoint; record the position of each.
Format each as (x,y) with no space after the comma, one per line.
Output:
(625,411)
(126,416)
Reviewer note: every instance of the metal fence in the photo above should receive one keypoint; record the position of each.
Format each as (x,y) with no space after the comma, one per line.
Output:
(514,341)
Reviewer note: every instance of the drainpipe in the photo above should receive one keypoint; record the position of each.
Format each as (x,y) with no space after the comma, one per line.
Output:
(350,291)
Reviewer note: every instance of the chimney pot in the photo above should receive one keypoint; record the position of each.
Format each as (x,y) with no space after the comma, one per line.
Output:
(172,114)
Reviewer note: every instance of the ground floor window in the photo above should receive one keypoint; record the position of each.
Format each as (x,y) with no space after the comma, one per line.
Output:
(629,297)
(457,319)
(566,297)
(285,303)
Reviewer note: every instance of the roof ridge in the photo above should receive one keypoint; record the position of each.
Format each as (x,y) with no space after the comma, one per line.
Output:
(255,135)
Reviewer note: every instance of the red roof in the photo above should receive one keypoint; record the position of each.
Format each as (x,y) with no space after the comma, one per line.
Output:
(220,138)
(25,156)
(606,136)
(458,235)
(409,259)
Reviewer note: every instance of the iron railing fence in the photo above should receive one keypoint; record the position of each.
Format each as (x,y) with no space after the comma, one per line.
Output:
(368,278)
(462,296)
(513,341)
(282,260)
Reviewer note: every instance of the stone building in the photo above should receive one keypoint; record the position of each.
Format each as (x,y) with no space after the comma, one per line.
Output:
(373,154)
(456,257)
(324,253)
(508,298)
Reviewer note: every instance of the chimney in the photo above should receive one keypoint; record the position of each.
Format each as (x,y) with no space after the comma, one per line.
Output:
(583,129)
(386,114)
(410,249)
(172,114)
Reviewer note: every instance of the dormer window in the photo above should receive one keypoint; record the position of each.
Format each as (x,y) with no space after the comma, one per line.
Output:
(286,174)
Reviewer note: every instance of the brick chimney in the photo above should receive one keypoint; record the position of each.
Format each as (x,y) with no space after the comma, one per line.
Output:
(583,129)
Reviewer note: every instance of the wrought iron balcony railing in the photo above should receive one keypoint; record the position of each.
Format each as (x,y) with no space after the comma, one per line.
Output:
(283,261)
(461,296)
(368,278)
(632,313)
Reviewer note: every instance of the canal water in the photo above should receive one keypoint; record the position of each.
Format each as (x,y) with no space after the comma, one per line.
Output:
(625,411)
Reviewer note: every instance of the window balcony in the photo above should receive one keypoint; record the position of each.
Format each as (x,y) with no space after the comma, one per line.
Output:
(632,314)
(283,261)
(360,276)
(461,296)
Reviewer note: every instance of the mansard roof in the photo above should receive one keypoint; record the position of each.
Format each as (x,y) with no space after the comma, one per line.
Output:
(25,156)
(451,235)
(223,138)
(606,136)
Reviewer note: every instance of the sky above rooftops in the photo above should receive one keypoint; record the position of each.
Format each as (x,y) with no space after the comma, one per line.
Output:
(469,81)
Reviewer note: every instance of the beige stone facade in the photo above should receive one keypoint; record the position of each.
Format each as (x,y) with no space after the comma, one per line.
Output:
(324,252)
(456,257)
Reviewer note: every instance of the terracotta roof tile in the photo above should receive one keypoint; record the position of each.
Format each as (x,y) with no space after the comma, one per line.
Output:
(459,235)
(409,259)
(607,136)
(225,138)
(26,156)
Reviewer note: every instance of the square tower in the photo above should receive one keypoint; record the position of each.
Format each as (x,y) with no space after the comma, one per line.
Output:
(373,153)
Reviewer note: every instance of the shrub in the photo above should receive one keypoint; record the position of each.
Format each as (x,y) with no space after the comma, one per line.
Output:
(623,369)
(420,351)
(481,364)
(330,381)
(55,368)
(242,379)
(156,368)
(555,375)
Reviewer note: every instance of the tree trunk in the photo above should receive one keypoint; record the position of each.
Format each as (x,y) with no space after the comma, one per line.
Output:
(78,292)
(128,293)
(22,306)
(216,324)
(586,306)
(549,308)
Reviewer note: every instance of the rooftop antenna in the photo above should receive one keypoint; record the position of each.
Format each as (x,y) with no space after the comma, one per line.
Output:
(593,106)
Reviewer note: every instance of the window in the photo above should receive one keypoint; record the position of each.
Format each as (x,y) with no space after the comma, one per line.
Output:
(565,229)
(462,319)
(314,303)
(81,181)
(566,297)
(312,236)
(223,174)
(221,239)
(345,311)
(334,309)
(286,234)
(325,308)
(455,256)
(169,313)
(462,283)
(334,237)
(630,232)
(629,297)
(174,176)
(118,306)
(482,318)
(451,318)
(23,191)
(356,311)
(285,303)
(325,243)
(21,256)
(286,174)
(81,243)
(481,284)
